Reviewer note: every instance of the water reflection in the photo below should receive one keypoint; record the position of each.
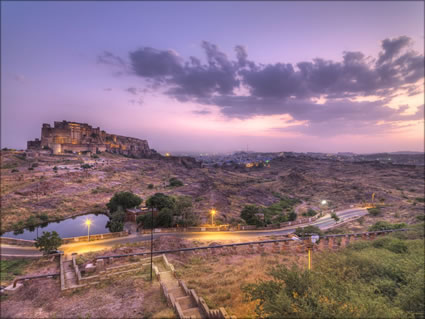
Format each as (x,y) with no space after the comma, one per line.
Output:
(71,227)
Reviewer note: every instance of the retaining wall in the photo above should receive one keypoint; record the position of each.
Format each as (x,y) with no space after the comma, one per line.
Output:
(93,237)
(17,242)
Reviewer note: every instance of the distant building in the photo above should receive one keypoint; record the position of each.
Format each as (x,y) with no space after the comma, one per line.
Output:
(72,137)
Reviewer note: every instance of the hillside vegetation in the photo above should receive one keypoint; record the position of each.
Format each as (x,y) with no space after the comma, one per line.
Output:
(369,279)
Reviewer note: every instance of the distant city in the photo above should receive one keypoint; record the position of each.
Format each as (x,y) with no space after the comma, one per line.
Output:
(252,159)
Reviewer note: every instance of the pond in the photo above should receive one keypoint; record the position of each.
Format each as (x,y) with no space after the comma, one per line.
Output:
(70,227)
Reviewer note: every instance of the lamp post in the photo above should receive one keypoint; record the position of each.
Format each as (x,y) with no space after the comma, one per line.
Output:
(212,216)
(88,223)
(151,240)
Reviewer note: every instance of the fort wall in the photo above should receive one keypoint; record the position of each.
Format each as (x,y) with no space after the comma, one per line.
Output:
(72,137)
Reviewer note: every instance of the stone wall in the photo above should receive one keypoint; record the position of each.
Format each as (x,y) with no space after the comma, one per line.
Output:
(93,237)
(16,242)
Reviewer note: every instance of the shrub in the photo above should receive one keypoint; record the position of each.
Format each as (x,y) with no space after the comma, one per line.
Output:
(174,182)
(14,170)
(335,217)
(34,165)
(30,168)
(95,156)
(383,225)
(375,211)
(150,186)
(308,230)
(420,199)
(86,166)
(310,213)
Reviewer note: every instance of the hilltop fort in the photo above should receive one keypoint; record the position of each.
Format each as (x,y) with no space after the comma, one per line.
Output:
(72,137)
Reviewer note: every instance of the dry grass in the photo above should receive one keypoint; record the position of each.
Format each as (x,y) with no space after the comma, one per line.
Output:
(125,297)
(219,279)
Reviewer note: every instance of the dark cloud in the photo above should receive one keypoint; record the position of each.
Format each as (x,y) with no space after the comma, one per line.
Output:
(132,90)
(111,59)
(284,88)
(149,62)
(391,48)
(201,112)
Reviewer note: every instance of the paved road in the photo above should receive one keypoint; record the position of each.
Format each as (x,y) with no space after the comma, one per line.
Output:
(323,223)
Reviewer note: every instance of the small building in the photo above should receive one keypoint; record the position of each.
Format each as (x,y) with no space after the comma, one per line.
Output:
(131,214)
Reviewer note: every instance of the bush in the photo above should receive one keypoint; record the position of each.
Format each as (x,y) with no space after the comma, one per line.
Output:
(381,279)
(310,213)
(34,165)
(86,166)
(375,211)
(383,225)
(14,170)
(420,199)
(30,168)
(124,200)
(95,156)
(174,182)
(48,242)
(150,186)
(335,217)
(307,231)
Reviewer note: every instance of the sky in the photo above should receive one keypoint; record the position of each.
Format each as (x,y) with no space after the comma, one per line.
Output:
(218,76)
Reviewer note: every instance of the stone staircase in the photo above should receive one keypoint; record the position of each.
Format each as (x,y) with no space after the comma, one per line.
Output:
(184,301)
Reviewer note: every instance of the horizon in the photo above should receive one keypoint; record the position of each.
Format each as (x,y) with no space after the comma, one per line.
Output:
(284,83)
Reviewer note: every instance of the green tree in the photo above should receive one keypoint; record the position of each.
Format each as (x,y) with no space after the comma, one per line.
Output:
(248,214)
(116,221)
(165,218)
(292,215)
(184,208)
(160,201)
(49,241)
(124,200)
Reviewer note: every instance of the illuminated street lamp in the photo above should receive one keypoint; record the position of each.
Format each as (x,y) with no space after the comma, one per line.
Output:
(213,211)
(323,202)
(88,223)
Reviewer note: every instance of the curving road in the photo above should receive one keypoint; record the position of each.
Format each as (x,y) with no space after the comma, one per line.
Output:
(323,223)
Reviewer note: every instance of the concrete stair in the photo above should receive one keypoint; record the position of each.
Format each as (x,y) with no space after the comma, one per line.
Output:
(70,275)
(186,302)
(193,313)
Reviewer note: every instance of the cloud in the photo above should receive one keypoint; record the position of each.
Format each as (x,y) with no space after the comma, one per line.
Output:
(110,59)
(131,90)
(286,88)
(201,112)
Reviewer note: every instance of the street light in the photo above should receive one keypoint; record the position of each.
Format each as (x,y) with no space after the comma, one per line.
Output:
(323,202)
(88,223)
(213,211)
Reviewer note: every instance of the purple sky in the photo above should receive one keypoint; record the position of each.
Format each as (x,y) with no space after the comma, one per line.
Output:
(218,76)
